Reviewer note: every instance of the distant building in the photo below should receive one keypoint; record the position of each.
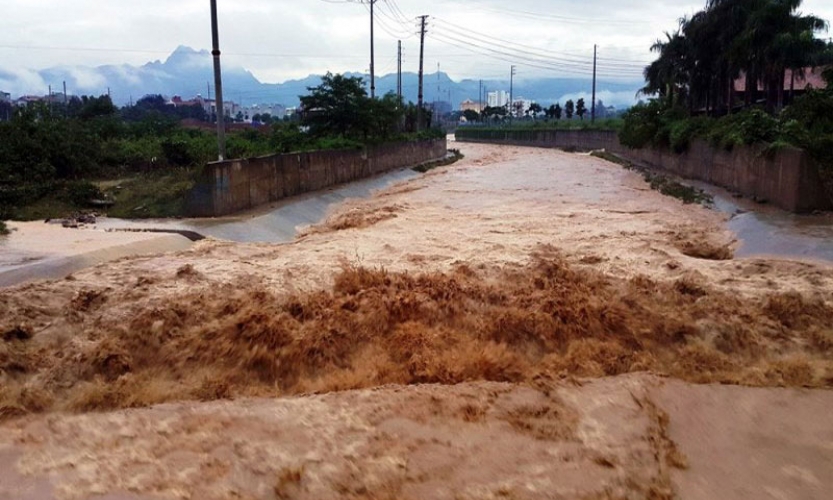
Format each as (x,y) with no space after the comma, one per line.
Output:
(177,101)
(498,98)
(469,105)
(798,84)
(521,106)
(26,100)
(276,111)
(230,108)
(5,97)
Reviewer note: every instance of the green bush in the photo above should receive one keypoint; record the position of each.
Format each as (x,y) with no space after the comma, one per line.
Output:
(80,193)
(641,124)
(750,126)
(683,131)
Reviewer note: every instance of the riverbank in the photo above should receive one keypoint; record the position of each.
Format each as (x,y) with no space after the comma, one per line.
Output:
(512,302)
(42,251)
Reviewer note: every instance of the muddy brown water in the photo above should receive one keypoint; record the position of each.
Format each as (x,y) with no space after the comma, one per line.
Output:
(761,230)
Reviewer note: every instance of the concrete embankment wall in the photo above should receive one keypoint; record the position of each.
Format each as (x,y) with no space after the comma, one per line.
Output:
(235,185)
(787,178)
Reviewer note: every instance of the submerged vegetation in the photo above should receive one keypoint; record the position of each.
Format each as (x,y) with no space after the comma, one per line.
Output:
(661,182)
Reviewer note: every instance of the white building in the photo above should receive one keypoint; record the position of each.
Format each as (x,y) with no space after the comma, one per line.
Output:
(521,106)
(498,98)
(276,111)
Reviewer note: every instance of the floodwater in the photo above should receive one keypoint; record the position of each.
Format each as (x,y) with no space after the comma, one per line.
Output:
(277,223)
(764,230)
(38,256)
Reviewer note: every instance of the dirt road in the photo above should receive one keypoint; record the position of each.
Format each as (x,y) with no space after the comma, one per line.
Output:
(492,324)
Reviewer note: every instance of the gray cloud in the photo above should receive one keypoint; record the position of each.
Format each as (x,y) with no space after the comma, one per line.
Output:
(278,41)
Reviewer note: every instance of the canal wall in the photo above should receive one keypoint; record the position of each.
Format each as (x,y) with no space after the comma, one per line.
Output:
(232,186)
(787,178)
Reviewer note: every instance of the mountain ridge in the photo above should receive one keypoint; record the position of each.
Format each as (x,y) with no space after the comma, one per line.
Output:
(188,72)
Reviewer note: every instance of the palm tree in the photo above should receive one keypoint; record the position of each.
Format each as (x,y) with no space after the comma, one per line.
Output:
(761,39)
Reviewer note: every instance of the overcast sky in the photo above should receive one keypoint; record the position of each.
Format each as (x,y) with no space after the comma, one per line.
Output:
(281,40)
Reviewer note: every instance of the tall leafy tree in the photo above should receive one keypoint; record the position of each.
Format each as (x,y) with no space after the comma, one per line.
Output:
(581,109)
(556,111)
(761,40)
(569,109)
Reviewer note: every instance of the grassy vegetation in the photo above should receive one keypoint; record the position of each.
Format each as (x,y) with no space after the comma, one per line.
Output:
(151,195)
(574,124)
(660,182)
(456,156)
(806,124)
(62,159)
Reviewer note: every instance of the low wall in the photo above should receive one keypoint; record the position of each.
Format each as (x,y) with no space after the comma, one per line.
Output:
(787,178)
(235,185)
(562,139)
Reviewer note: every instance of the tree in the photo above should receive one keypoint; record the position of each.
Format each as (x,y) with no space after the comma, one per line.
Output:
(471,115)
(569,109)
(336,107)
(554,111)
(535,109)
(517,108)
(581,110)
(494,112)
(758,40)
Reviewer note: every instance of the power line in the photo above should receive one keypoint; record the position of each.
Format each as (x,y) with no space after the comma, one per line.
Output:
(519,58)
(530,50)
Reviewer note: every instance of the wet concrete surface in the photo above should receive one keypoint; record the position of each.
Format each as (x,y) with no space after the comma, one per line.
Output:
(764,230)
(275,223)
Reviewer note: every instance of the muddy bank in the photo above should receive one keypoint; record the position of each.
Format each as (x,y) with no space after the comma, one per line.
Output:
(38,251)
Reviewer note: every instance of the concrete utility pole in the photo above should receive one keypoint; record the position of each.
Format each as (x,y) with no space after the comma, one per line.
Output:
(593,106)
(512,93)
(420,97)
(372,57)
(480,98)
(437,96)
(218,84)
(399,72)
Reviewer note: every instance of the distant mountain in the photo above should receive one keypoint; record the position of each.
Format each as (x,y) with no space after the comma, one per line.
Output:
(188,72)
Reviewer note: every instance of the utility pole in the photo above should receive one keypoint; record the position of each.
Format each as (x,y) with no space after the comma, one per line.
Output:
(593,106)
(512,93)
(437,96)
(218,83)
(420,97)
(65,92)
(480,98)
(50,99)
(372,69)
(399,72)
